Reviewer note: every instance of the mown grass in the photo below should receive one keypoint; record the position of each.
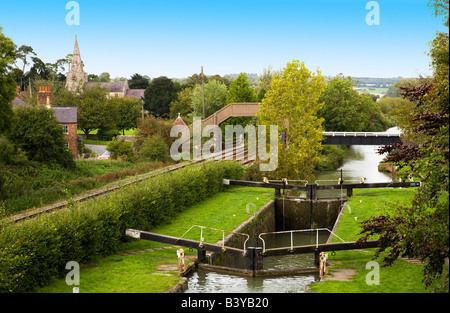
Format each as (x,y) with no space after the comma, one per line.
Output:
(401,277)
(138,273)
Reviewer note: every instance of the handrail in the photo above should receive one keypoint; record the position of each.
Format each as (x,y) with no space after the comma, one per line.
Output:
(292,237)
(223,236)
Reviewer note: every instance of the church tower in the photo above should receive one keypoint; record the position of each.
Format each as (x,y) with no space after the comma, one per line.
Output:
(76,74)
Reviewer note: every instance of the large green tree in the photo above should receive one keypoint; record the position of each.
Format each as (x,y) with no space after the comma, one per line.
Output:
(292,104)
(421,230)
(7,83)
(126,112)
(215,98)
(37,132)
(240,90)
(345,109)
(158,96)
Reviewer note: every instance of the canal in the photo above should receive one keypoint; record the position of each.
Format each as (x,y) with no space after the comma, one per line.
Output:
(360,161)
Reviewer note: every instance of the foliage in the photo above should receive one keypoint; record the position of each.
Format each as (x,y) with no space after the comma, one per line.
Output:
(36,251)
(159,94)
(215,98)
(292,104)
(120,148)
(182,105)
(126,111)
(152,126)
(7,83)
(154,148)
(346,110)
(138,81)
(240,91)
(420,230)
(37,132)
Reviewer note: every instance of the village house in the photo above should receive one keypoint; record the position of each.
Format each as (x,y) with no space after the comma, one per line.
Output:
(66,116)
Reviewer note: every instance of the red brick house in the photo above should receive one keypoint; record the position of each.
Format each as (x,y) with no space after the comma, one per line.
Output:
(66,116)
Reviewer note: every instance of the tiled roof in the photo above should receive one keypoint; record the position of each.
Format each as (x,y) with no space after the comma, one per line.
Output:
(110,86)
(19,102)
(135,93)
(65,115)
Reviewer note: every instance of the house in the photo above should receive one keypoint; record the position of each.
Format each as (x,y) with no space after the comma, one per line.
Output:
(66,116)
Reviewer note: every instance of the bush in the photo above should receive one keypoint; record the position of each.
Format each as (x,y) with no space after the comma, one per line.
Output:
(154,149)
(120,148)
(36,251)
(107,134)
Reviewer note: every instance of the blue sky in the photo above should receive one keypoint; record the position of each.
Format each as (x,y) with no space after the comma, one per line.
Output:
(176,37)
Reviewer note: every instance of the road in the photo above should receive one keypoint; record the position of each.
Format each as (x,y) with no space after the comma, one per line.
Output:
(99,149)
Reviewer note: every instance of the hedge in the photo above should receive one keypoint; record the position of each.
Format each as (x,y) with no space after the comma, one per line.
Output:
(36,251)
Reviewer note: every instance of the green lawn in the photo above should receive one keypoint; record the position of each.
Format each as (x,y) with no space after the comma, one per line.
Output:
(401,277)
(138,273)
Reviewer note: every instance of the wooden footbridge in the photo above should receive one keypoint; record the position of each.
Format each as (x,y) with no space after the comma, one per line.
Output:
(330,138)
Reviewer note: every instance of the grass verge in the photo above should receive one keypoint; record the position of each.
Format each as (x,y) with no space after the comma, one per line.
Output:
(401,277)
(139,273)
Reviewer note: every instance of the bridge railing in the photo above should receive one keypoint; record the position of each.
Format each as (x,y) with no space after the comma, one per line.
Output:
(291,232)
(361,134)
(222,243)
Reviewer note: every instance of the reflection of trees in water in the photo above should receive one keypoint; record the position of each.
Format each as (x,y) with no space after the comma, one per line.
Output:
(354,154)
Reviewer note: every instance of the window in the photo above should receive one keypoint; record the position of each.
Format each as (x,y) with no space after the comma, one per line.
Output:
(66,129)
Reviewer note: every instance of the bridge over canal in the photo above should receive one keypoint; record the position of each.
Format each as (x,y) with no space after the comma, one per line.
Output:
(331,138)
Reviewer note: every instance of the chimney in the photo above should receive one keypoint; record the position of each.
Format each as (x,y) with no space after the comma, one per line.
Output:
(44,96)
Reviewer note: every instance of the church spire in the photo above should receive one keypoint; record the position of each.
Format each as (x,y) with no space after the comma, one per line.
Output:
(76,74)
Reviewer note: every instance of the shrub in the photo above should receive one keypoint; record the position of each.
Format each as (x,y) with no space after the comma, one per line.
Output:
(154,149)
(107,134)
(35,251)
(120,148)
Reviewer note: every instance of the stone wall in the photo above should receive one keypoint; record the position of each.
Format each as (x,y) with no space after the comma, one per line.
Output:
(304,214)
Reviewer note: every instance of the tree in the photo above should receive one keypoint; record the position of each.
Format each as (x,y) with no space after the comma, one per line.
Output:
(420,229)
(158,96)
(93,109)
(215,98)
(37,132)
(240,91)
(138,81)
(126,112)
(7,83)
(182,105)
(346,110)
(292,104)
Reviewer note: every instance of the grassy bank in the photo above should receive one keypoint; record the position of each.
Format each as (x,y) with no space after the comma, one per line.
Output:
(401,277)
(36,185)
(141,272)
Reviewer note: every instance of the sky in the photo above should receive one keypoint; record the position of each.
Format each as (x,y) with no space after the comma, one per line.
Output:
(174,38)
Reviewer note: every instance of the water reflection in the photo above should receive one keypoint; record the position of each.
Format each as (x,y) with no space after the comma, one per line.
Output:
(211,282)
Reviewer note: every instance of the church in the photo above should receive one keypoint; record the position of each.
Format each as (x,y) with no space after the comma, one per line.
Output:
(77,76)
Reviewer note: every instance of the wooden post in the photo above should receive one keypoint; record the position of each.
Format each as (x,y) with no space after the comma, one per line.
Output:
(311,191)
(201,255)
(349,192)
(254,259)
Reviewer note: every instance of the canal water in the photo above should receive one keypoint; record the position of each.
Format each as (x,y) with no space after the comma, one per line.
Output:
(360,161)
